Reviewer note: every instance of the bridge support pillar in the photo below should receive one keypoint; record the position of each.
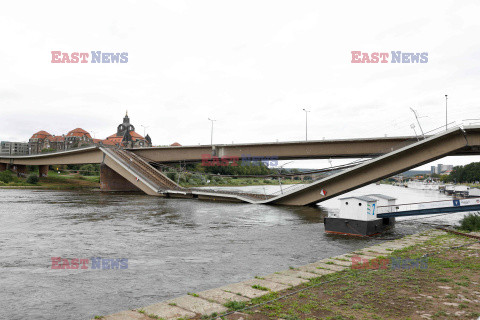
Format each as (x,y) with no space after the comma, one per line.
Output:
(43,171)
(20,169)
(3,166)
(112,181)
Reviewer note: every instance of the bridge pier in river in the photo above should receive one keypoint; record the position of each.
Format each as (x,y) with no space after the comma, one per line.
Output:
(20,169)
(42,171)
(112,181)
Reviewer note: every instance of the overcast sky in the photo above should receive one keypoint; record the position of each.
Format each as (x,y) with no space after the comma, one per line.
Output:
(252,65)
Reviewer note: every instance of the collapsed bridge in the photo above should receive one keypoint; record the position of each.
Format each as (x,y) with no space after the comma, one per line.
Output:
(128,170)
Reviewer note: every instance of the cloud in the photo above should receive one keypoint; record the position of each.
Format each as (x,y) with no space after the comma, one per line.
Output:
(253,65)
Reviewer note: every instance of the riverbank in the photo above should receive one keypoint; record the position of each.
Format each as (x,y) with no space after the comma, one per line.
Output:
(432,275)
(56,181)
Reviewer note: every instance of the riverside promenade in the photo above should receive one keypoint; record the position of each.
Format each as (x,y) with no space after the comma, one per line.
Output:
(232,298)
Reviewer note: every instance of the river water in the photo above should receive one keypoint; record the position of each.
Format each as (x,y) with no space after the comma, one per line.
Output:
(172,246)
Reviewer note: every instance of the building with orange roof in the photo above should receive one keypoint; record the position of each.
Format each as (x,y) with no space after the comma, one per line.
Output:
(77,138)
(127,137)
(43,141)
(39,141)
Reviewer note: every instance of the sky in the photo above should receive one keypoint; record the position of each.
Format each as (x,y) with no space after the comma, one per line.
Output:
(251,65)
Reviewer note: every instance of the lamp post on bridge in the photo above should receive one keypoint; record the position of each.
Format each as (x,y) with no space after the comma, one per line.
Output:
(144,128)
(306,124)
(413,127)
(418,121)
(446,111)
(211,133)
(280,172)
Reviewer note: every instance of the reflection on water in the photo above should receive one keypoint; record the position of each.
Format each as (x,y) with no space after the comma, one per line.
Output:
(173,247)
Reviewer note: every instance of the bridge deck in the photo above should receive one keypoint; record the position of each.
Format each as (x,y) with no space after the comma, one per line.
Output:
(401,158)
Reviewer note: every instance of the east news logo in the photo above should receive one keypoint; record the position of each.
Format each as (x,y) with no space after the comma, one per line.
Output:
(383,57)
(92,263)
(82,57)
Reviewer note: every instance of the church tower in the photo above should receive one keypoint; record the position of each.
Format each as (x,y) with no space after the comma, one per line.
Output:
(125,126)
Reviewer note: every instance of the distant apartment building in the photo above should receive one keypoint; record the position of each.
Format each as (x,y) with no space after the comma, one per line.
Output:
(13,148)
(441,168)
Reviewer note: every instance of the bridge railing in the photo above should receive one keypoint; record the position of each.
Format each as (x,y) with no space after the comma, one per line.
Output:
(427,205)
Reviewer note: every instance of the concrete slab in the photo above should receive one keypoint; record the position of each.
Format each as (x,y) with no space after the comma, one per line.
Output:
(299,274)
(272,286)
(373,253)
(197,305)
(284,279)
(339,262)
(244,290)
(391,248)
(365,257)
(166,311)
(127,315)
(405,244)
(376,250)
(313,269)
(321,264)
(220,296)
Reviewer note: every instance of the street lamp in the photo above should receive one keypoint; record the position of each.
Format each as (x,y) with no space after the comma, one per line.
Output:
(418,121)
(306,124)
(211,133)
(413,127)
(280,172)
(446,112)
(144,127)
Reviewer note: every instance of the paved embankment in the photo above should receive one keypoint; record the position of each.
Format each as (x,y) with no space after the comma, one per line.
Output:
(215,301)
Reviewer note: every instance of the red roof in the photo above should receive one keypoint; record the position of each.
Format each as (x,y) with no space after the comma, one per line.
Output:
(175,144)
(41,135)
(79,132)
(110,142)
(135,136)
(57,138)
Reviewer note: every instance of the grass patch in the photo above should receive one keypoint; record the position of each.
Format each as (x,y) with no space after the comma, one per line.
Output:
(235,305)
(259,287)
(392,293)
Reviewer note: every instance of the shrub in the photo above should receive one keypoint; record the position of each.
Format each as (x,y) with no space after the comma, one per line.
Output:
(172,176)
(6,176)
(470,222)
(89,170)
(32,179)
